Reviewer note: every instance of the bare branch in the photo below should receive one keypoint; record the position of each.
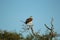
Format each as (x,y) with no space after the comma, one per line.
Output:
(52,22)
(47,27)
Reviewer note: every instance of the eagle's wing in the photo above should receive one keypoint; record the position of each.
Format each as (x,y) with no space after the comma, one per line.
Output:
(28,20)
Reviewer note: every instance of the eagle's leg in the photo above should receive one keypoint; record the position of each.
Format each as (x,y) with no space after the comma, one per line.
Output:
(30,26)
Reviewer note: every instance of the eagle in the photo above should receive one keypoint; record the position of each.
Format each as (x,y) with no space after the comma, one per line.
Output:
(29,21)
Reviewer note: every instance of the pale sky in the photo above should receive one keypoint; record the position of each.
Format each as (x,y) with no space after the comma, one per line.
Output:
(11,11)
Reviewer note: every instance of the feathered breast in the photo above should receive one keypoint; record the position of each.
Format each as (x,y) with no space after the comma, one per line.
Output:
(28,20)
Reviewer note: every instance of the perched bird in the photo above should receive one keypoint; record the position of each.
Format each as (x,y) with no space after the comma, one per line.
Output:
(29,21)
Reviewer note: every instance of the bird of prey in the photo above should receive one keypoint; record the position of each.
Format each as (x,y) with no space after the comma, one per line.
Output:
(29,21)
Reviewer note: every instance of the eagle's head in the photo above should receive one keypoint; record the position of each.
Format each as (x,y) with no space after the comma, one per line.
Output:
(30,16)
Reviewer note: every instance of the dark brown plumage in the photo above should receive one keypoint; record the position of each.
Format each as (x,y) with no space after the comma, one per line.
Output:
(28,20)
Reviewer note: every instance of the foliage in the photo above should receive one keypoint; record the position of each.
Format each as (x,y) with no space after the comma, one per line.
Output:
(4,35)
